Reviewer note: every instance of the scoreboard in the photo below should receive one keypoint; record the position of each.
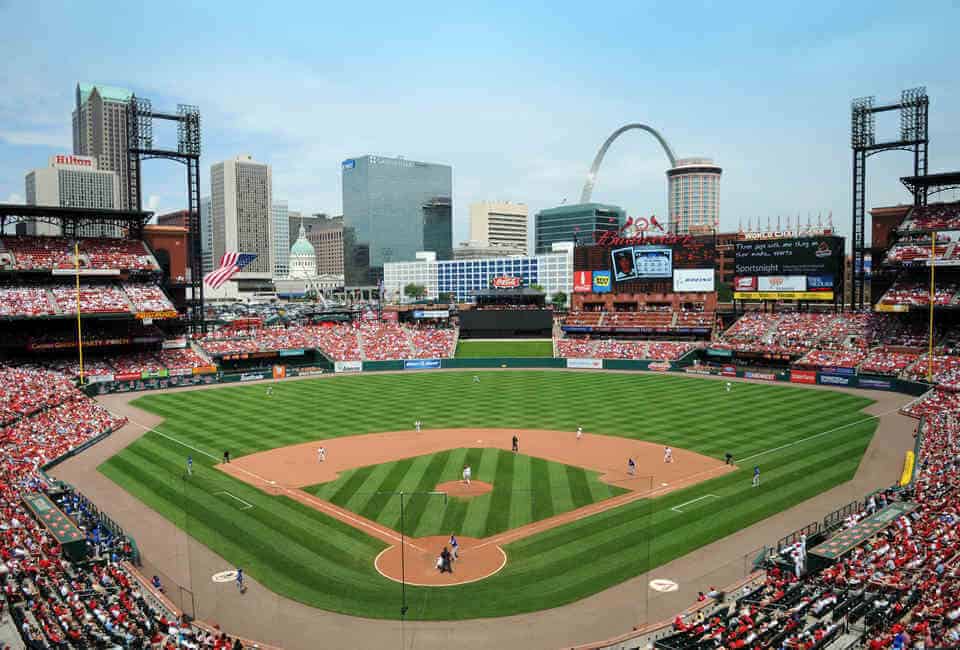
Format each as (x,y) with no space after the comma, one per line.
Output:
(801,268)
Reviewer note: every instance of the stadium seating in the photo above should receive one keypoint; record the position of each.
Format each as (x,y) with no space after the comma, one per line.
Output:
(47,253)
(103,298)
(831,359)
(883,361)
(615,349)
(25,302)
(147,297)
(916,293)
(936,216)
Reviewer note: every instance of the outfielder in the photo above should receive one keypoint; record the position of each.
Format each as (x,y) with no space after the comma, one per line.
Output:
(756,476)
(416,426)
(321,454)
(269,391)
(476,379)
(579,432)
(189,465)
(729,386)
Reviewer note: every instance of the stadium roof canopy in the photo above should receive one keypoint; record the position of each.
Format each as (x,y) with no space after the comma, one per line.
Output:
(69,218)
(938,182)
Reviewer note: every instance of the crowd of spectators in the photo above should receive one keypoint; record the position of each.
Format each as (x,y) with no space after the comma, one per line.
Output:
(905,291)
(147,297)
(616,349)
(25,302)
(100,298)
(936,216)
(884,361)
(33,253)
(370,341)
(944,366)
(850,358)
(24,391)
(651,318)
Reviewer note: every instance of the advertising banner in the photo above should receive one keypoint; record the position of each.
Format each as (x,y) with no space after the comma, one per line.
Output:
(127,376)
(713,352)
(279,372)
(699,371)
(180,372)
(783,295)
(892,308)
(766,376)
(205,370)
(803,376)
(506,282)
(153,374)
(659,366)
(582,281)
(729,371)
(800,256)
(291,353)
(838,371)
(601,282)
(745,284)
(693,280)
(431,313)
(347,366)
(157,315)
(819,283)
(833,380)
(97,379)
(879,384)
(173,344)
(252,376)
(421,364)
(782,283)
(593,364)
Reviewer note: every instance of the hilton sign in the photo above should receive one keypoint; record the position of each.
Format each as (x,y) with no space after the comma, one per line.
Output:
(70,160)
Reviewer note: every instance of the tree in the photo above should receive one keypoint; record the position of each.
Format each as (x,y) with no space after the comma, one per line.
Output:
(445,296)
(415,291)
(536,287)
(559,299)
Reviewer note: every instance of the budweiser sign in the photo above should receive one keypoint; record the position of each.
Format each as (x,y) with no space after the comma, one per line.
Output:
(635,226)
(610,238)
(70,160)
(505,282)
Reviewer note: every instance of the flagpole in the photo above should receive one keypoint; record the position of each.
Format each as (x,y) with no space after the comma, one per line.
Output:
(76,264)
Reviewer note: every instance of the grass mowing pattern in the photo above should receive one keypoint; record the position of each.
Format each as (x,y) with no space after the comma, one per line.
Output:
(312,558)
(523,487)
(486,349)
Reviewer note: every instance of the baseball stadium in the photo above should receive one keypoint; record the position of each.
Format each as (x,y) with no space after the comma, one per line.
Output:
(660,464)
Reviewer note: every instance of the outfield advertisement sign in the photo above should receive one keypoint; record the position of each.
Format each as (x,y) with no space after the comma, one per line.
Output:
(783,295)
(729,371)
(431,313)
(592,364)
(693,280)
(699,371)
(582,281)
(766,376)
(660,366)
(601,281)
(252,376)
(782,283)
(347,366)
(803,376)
(714,352)
(849,372)
(879,384)
(833,380)
(421,364)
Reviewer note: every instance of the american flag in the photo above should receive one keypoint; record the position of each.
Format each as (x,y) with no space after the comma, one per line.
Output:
(230,264)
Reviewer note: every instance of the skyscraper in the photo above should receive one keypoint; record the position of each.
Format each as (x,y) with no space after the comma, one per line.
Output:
(73,182)
(499,223)
(240,208)
(100,131)
(392,208)
(206,234)
(693,195)
(281,235)
(576,223)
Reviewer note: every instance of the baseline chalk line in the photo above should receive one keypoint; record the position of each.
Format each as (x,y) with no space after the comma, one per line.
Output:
(705,496)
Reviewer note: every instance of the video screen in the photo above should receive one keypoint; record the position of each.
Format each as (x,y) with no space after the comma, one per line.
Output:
(642,262)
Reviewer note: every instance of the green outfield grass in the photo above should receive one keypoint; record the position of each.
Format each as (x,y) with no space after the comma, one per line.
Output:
(486,349)
(536,489)
(807,440)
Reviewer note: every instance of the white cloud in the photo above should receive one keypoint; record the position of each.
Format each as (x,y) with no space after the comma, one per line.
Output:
(153,203)
(36,138)
(13,197)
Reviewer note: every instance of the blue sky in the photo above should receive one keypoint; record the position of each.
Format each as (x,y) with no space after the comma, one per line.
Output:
(517,97)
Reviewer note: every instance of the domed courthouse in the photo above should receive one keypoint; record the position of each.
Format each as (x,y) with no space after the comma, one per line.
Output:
(302,276)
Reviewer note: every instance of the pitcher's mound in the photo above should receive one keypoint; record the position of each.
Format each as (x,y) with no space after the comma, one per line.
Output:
(460,490)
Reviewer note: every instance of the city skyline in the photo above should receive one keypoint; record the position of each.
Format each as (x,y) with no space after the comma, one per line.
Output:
(772,107)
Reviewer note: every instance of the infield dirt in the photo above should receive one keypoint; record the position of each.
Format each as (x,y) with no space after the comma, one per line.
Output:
(287,470)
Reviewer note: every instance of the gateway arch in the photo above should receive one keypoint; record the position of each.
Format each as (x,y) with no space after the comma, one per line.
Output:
(592,175)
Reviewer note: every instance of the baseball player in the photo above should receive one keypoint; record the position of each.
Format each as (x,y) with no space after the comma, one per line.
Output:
(476,379)
(189,465)
(466,474)
(240,580)
(729,386)
(226,455)
(516,443)
(667,455)
(631,467)
(756,476)
(455,545)
(269,391)
(416,426)
(579,432)
(321,454)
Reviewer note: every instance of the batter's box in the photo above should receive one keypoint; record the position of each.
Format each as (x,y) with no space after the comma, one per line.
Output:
(246,505)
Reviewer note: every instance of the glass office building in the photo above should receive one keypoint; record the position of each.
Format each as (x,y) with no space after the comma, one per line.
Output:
(575,223)
(465,278)
(392,209)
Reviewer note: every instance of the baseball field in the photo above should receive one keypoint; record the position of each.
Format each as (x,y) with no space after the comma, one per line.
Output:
(569,519)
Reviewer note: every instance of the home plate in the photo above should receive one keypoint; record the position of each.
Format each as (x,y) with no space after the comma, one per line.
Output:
(479,440)
(273,482)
